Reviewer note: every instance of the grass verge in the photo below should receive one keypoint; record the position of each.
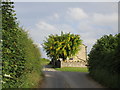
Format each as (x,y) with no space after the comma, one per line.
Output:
(73,69)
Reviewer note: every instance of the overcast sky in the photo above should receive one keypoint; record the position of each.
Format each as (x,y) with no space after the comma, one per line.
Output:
(91,20)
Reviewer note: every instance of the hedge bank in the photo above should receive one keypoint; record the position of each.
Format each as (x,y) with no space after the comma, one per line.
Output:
(21,66)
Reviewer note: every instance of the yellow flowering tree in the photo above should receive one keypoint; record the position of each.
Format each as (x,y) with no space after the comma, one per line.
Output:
(62,46)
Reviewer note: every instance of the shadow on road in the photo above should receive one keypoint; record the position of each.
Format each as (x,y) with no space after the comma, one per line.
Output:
(48,66)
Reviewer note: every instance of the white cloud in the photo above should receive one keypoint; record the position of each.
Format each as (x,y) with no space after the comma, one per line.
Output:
(95,27)
(56,16)
(43,29)
(76,13)
(45,26)
(105,19)
(85,26)
(66,28)
(99,24)
(53,28)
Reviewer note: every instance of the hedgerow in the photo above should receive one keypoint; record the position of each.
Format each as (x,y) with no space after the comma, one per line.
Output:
(104,60)
(21,66)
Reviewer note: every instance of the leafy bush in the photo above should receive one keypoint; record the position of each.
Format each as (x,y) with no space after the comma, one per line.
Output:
(104,60)
(20,57)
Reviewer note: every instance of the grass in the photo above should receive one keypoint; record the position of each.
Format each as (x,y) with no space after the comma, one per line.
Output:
(107,79)
(73,69)
(31,80)
(44,62)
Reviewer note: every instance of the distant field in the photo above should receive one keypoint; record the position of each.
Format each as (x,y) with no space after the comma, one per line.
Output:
(73,69)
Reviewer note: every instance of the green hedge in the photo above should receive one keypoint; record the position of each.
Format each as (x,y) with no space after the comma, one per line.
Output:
(104,61)
(20,57)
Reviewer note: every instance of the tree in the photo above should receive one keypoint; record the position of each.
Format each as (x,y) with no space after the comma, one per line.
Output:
(116,62)
(104,57)
(63,46)
(102,53)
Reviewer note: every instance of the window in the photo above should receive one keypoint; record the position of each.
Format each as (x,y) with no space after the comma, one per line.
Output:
(71,59)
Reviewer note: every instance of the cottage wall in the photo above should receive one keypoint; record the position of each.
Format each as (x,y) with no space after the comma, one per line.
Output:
(81,55)
(73,64)
(79,60)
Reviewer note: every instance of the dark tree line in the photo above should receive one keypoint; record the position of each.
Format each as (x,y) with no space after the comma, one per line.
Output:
(104,60)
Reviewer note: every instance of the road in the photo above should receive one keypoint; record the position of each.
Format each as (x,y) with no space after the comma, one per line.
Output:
(60,79)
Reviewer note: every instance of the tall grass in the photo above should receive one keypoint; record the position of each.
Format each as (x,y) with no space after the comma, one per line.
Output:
(107,79)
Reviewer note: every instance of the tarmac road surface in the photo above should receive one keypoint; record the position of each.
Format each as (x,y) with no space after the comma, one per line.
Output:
(61,79)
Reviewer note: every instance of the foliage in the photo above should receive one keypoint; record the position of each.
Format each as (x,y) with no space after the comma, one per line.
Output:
(116,62)
(62,46)
(45,61)
(20,57)
(0,45)
(73,69)
(11,48)
(104,60)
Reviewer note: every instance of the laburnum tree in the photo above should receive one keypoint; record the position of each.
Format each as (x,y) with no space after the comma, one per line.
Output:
(62,46)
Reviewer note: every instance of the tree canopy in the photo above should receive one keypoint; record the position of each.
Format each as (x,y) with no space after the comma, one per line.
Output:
(103,51)
(62,46)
